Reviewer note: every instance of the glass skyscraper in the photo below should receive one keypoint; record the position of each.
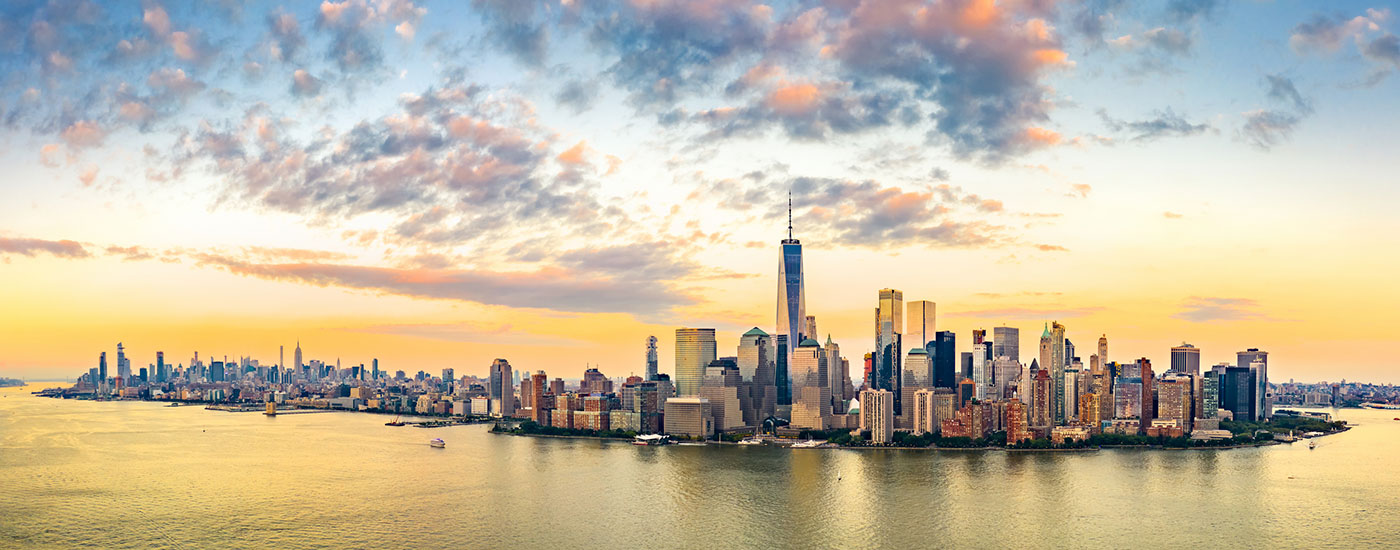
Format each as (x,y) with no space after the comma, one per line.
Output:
(695,349)
(792,306)
(889,333)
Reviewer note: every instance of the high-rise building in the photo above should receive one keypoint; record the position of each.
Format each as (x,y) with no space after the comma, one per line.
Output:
(1210,391)
(1015,422)
(721,387)
(1148,392)
(944,357)
(836,375)
(102,368)
(981,369)
(1258,361)
(1186,358)
(889,333)
(1175,399)
(695,348)
(1103,349)
(877,415)
(1239,393)
(123,364)
(919,323)
(1041,403)
(917,365)
(1006,342)
(651,358)
(925,415)
(296,356)
(1058,362)
(501,390)
(689,417)
(162,370)
(759,394)
(792,306)
(811,387)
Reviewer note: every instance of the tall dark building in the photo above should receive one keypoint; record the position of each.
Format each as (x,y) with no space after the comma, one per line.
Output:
(1238,393)
(944,358)
(651,358)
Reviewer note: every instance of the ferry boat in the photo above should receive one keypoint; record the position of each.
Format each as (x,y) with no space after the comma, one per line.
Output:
(649,439)
(808,444)
(437,443)
(750,441)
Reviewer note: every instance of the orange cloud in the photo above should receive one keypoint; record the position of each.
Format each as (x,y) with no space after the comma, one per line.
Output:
(980,13)
(794,99)
(83,133)
(1042,136)
(574,156)
(1050,56)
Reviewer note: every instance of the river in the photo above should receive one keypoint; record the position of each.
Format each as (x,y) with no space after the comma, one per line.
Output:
(85,474)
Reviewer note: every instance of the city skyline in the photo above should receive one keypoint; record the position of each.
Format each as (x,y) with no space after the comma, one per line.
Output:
(437,186)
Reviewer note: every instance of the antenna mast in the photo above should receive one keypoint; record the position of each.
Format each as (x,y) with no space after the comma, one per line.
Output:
(789,215)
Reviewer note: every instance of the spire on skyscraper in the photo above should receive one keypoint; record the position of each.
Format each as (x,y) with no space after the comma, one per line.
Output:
(789,215)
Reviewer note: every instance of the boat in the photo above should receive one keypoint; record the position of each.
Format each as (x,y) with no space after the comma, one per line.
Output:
(394,423)
(750,441)
(437,443)
(808,444)
(692,443)
(649,439)
(1312,445)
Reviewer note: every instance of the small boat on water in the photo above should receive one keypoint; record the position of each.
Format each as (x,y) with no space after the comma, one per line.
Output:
(808,444)
(750,441)
(394,423)
(437,443)
(1312,445)
(649,439)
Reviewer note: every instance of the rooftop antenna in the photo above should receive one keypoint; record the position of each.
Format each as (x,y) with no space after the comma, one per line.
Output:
(789,215)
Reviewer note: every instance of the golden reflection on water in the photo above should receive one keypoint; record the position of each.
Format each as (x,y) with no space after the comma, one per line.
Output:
(140,475)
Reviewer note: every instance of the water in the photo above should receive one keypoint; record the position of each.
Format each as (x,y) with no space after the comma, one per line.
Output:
(81,474)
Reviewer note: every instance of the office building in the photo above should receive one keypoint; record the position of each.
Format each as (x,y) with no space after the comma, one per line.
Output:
(695,348)
(689,417)
(919,323)
(1006,342)
(1186,358)
(1042,403)
(836,375)
(1258,361)
(889,334)
(1176,399)
(811,387)
(1239,393)
(944,357)
(721,388)
(501,390)
(1148,393)
(759,394)
(925,413)
(1059,361)
(792,307)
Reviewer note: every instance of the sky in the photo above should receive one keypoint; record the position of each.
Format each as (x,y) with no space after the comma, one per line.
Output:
(440,184)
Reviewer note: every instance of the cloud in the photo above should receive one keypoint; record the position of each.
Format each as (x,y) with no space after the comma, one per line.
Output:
(1266,128)
(1321,33)
(129,253)
(1201,309)
(1281,89)
(83,134)
(31,247)
(866,213)
(1171,215)
(1165,123)
(1079,190)
(1188,10)
(550,288)
(516,28)
(304,84)
(1051,248)
(285,32)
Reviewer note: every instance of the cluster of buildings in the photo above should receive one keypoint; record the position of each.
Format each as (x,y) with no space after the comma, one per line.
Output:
(788,381)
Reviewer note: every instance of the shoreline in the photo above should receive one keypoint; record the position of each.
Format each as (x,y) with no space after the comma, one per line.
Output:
(967,449)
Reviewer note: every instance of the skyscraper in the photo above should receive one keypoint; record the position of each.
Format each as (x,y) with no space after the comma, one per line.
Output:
(1006,342)
(1149,408)
(123,364)
(1186,358)
(102,368)
(1057,366)
(792,306)
(1103,350)
(919,326)
(1258,361)
(162,373)
(296,356)
(836,374)
(695,348)
(889,333)
(501,390)
(944,357)
(651,358)
(877,414)
(758,394)
(811,389)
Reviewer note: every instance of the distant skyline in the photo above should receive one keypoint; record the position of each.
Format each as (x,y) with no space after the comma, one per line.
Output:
(440,184)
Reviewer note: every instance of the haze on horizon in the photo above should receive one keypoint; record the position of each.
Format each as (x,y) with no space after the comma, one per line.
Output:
(439,184)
